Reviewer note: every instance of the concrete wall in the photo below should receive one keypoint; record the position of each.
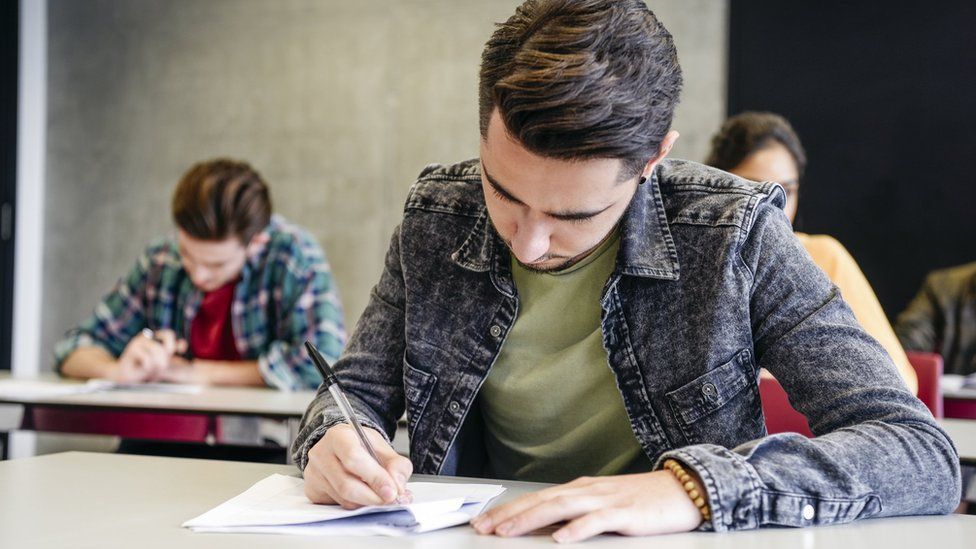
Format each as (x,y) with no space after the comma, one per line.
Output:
(339,104)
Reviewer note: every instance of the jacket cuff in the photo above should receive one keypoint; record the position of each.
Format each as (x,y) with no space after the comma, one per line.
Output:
(733,486)
(330,419)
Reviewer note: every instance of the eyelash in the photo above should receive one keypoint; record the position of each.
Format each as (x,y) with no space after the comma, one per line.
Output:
(577,221)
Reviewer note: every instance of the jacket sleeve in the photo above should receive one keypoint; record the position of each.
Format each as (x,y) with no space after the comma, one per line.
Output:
(371,369)
(918,327)
(311,311)
(877,452)
(115,320)
(857,292)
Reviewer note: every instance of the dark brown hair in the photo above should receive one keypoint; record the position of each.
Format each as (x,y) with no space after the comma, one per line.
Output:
(750,131)
(221,197)
(582,79)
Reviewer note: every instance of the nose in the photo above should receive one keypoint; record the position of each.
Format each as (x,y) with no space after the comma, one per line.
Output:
(200,276)
(530,241)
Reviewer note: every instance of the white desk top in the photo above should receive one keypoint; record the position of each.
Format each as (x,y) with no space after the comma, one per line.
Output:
(211,400)
(85,500)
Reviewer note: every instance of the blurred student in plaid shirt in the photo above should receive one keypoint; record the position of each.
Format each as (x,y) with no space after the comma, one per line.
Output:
(228,301)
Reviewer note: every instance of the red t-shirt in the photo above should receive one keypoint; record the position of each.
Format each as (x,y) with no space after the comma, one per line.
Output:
(212,332)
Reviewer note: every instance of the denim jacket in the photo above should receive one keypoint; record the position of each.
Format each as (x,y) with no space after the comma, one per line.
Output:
(710,285)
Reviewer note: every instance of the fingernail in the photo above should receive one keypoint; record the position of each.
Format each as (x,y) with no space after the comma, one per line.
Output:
(405,498)
(388,493)
(401,480)
(559,536)
(504,528)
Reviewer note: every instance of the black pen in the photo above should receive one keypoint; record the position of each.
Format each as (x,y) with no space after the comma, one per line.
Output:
(335,389)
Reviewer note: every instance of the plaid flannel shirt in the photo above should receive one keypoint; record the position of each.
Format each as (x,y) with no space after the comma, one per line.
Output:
(286,295)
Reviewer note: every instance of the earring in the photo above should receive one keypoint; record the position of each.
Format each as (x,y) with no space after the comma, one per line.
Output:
(642,180)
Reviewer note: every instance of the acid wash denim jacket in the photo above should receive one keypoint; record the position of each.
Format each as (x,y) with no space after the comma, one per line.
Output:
(710,285)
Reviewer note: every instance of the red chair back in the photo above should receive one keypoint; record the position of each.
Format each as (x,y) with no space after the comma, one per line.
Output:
(928,369)
(781,417)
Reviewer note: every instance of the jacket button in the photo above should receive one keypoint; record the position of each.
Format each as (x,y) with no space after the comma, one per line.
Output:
(495,330)
(454,406)
(808,512)
(709,390)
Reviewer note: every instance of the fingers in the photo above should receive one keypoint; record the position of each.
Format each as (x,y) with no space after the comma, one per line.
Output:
(398,467)
(131,367)
(589,525)
(357,462)
(488,521)
(167,339)
(349,474)
(534,513)
(318,489)
(173,344)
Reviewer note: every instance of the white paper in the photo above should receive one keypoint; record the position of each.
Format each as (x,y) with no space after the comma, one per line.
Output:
(32,388)
(278,505)
(99,385)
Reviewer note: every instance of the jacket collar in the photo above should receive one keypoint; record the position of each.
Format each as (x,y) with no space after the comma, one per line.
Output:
(646,246)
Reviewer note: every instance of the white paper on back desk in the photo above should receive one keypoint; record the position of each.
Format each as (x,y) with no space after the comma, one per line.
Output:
(277,505)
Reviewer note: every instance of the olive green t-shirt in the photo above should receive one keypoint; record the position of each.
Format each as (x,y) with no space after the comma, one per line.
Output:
(551,405)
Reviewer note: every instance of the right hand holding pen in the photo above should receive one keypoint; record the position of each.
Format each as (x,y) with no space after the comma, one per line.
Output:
(340,470)
(146,358)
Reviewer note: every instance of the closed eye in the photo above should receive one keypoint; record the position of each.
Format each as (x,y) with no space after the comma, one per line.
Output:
(574,219)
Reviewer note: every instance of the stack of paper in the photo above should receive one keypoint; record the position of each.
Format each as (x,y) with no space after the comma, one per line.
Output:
(277,505)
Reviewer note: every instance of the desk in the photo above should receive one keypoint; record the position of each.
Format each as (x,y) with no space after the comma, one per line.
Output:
(958,402)
(209,404)
(85,500)
(963,434)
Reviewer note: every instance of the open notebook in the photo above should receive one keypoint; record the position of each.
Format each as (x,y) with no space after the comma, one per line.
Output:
(277,505)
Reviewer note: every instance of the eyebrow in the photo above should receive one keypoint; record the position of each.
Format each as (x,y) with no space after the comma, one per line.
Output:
(563,215)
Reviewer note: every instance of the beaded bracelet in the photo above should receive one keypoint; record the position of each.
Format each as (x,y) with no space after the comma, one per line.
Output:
(689,485)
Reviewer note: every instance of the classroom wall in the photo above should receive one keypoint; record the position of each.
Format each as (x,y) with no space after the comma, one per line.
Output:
(339,104)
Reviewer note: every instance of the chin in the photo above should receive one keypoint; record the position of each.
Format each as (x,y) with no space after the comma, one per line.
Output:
(550,266)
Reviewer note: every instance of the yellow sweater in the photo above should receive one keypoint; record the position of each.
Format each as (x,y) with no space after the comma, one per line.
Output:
(831,256)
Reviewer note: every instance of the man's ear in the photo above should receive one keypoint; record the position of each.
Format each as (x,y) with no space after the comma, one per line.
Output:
(662,152)
(257,242)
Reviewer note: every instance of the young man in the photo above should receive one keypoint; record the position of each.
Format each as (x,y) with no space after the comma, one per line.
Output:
(574,305)
(229,301)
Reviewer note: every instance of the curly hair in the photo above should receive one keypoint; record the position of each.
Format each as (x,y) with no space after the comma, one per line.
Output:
(750,131)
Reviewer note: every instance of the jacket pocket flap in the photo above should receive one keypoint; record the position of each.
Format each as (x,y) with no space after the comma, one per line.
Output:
(710,391)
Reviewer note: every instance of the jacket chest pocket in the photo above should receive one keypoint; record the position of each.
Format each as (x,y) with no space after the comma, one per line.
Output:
(418,386)
(721,406)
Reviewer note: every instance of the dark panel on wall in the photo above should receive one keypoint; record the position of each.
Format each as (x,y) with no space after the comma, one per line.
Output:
(881,93)
(9,34)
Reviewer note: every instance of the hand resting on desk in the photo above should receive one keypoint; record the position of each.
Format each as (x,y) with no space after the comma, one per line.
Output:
(633,505)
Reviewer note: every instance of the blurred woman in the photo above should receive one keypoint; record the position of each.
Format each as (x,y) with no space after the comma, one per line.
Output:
(762,146)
